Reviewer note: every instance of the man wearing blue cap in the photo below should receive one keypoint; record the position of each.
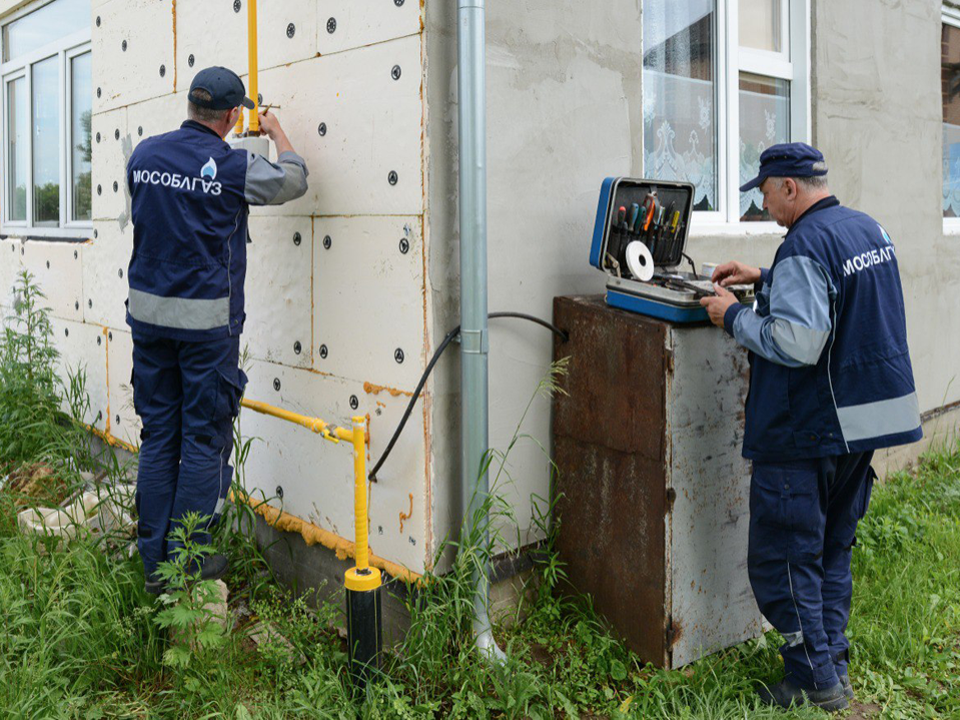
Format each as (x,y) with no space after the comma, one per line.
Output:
(831,381)
(190,197)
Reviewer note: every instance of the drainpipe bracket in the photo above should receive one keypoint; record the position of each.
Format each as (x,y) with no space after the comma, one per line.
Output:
(475,342)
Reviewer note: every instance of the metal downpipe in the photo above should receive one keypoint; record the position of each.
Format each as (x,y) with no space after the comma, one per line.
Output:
(474,342)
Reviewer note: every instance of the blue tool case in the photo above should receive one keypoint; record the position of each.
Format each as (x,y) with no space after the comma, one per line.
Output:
(656,213)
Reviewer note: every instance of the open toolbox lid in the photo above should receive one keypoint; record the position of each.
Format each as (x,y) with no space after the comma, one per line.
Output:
(663,228)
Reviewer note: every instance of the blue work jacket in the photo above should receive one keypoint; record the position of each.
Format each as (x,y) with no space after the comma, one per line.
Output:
(190,196)
(830,367)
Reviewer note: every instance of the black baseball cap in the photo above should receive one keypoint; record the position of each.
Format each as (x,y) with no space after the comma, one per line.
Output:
(225,88)
(787,160)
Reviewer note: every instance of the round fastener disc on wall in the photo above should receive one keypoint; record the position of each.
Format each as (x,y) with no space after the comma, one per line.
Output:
(120,272)
(99,340)
(99,416)
(66,332)
(236,5)
(115,186)
(322,129)
(163,70)
(297,239)
(191,60)
(116,134)
(76,255)
(332,25)
(98,137)
(123,46)
(98,92)
(98,21)
(297,347)
(48,264)
(398,356)
(393,178)
(323,352)
(404,246)
(99,190)
(76,305)
(140,131)
(259,98)
(280,491)
(327,242)
(276,384)
(291,30)
(95,233)
(396,72)
(354,403)
(110,336)
(398,3)
(90,305)
(118,419)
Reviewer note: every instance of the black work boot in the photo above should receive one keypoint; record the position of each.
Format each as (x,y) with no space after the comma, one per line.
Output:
(847,687)
(154,585)
(786,695)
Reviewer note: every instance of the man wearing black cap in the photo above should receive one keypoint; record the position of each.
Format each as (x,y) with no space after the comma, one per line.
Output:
(191,194)
(831,382)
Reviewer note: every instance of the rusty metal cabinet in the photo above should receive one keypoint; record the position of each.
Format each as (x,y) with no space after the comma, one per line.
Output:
(654,504)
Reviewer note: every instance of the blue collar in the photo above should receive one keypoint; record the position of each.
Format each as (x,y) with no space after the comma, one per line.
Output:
(194,125)
(827,202)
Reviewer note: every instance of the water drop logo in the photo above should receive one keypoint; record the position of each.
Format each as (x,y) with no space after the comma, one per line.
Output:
(209,170)
(886,237)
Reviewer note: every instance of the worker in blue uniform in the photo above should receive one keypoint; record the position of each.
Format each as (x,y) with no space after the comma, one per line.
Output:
(190,197)
(831,381)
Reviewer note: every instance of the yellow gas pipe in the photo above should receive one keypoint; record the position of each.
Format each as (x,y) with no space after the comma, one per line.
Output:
(252,73)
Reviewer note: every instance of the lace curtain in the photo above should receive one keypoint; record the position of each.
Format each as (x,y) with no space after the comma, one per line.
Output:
(679,95)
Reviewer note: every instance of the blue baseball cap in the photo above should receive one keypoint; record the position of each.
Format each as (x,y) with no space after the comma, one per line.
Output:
(787,160)
(224,86)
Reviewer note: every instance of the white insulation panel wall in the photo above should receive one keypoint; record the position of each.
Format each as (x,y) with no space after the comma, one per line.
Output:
(336,295)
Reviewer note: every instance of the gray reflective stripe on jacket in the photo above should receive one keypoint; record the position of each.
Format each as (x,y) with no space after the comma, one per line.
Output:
(881,418)
(275,183)
(798,326)
(179,313)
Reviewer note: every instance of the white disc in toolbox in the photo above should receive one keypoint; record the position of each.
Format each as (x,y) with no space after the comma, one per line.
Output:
(640,261)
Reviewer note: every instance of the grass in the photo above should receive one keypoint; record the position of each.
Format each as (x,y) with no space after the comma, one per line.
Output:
(79,639)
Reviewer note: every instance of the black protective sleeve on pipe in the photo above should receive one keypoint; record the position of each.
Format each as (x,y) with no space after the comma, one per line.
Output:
(451,336)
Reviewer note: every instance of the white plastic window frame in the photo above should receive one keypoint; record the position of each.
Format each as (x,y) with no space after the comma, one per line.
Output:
(65,49)
(951,226)
(792,63)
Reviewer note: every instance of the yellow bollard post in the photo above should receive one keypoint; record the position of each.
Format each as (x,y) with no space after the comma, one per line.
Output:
(252,46)
(362,583)
(238,128)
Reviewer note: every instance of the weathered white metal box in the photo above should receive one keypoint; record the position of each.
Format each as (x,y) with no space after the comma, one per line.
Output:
(655,494)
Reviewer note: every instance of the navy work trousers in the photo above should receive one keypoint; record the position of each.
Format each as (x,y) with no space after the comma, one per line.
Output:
(187,395)
(803,523)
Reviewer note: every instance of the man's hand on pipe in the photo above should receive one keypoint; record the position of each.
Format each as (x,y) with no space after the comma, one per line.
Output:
(718,304)
(735,273)
(270,126)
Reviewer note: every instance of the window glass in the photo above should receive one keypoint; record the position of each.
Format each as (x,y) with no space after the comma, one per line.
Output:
(760,24)
(81,106)
(764,121)
(18,110)
(46,143)
(45,25)
(950,88)
(679,95)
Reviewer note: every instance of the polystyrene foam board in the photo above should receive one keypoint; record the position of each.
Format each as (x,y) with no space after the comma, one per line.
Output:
(372,127)
(83,347)
(279,290)
(105,262)
(122,77)
(124,423)
(368,299)
(316,476)
(155,117)
(57,270)
(10,266)
(356,23)
(109,161)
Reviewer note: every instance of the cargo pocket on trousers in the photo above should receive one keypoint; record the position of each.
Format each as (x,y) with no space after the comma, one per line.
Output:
(786,502)
(229,394)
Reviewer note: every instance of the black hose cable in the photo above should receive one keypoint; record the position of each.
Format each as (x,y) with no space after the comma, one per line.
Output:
(451,336)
